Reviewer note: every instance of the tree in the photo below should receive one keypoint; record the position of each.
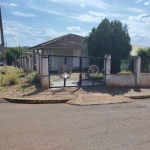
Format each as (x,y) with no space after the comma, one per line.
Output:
(145,58)
(109,38)
(11,52)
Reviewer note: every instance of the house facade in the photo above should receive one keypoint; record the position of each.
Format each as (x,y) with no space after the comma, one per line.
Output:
(67,45)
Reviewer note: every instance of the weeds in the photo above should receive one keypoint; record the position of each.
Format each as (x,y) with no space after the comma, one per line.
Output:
(32,77)
(9,75)
(76,94)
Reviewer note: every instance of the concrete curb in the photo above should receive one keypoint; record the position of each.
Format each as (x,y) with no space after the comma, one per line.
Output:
(82,101)
(138,96)
(35,101)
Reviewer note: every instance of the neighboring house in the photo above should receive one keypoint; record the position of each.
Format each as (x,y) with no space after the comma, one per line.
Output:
(67,45)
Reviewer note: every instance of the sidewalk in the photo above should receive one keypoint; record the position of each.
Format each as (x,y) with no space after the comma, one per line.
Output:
(79,96)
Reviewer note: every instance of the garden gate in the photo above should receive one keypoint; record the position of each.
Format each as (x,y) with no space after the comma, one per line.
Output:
(72,71)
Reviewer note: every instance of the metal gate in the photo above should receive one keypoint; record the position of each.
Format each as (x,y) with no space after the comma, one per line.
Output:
(73,71)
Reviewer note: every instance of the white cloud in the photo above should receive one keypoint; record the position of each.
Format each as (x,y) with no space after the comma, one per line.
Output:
(44,9)
(147,3)
(97,14)
(94,3)
(16,13)
(143,18)
(11,5)
(73,28)
(91,16)
(138,1)
(139,29)
(135,10)
(82,5)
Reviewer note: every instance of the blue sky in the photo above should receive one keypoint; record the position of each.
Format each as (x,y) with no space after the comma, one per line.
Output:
(31,22)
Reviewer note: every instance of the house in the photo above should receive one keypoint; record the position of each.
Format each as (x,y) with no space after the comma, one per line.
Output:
(67,45)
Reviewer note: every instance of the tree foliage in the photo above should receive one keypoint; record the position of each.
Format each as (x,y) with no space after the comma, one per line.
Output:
(11,52)
(110,37)
(145,58)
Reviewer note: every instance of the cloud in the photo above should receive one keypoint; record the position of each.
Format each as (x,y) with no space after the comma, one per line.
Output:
(91,16)
(94,3)
(44,9)
(17,13)
(143,18)
(147,3)
(135,10)
(97,14)
(73,28)
(139,29)
(11,5)
(96,17)
(138,1)
(82,5)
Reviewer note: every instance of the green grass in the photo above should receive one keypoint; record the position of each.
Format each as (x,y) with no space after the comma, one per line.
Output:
(125,72)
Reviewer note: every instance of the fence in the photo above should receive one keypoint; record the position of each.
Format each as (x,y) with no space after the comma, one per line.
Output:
(136,75)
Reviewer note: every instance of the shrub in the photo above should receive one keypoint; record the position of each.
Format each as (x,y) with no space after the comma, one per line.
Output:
(32,77)
(3,70)
(10,75)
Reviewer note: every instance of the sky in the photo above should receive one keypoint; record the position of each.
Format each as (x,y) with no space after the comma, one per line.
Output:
(31,22)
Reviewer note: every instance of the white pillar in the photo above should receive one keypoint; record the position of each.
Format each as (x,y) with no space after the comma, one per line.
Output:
(37,65)
(30,64)
(45,72)
(137,69)
(25,62)
(107,69)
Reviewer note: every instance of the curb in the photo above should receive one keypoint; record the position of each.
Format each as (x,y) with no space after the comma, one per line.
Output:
(139,97)
(34,101)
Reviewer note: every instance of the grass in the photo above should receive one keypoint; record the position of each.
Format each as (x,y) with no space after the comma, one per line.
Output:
(15,79)
(76,94)
(125,72)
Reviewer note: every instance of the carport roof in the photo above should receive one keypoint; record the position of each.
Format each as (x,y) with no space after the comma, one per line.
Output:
(66,41)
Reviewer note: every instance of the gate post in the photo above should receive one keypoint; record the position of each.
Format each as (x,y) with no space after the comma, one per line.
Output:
(37,65)
(107,69)
(137,69)
(45,72)
(25,62)
(30,63)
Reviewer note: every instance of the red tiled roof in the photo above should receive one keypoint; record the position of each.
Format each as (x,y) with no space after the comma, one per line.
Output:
(66,41)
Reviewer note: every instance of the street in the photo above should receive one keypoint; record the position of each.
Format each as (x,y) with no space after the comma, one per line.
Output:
(68,127)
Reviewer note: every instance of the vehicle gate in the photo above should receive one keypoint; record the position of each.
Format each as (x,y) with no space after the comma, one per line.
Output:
(73,71)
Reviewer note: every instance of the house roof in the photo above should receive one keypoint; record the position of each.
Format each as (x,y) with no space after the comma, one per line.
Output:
(66,41)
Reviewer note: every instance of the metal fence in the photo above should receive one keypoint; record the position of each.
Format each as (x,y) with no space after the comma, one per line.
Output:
(67,71)
(145,65)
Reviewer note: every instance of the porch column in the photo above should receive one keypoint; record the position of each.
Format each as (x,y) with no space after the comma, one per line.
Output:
(30,63)
(137,69)
(34,59)
(40,67)
(37,65)
(25,62)
(107,69)
(31,57)
(45,72)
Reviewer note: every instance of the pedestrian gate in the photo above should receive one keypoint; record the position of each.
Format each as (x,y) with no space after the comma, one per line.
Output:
(73,71)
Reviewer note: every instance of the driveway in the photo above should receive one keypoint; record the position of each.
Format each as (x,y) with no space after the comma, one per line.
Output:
(68,127)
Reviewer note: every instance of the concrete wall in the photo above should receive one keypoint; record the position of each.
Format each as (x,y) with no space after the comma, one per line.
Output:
(122,80)
(144,80)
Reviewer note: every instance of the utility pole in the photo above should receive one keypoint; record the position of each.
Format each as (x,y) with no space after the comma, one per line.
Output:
(2,40)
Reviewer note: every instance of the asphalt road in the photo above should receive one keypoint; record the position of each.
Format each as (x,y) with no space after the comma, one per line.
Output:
(68,127)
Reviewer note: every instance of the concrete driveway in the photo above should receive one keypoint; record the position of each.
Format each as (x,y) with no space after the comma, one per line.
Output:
(68,127)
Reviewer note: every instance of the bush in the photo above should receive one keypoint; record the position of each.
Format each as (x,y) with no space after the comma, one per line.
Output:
(32,77)
(10,75)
